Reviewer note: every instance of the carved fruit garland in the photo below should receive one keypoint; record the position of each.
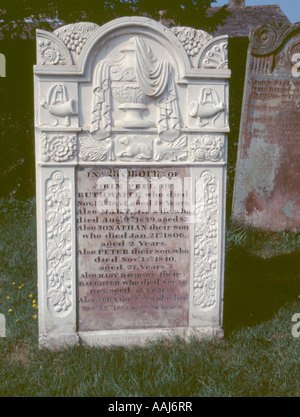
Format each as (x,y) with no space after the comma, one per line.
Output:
(206,244)
(58,215)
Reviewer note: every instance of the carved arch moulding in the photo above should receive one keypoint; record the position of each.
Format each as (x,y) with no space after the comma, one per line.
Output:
(130,93)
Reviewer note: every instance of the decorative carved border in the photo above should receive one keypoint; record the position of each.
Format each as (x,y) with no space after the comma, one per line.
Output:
(59,243)
(206,240)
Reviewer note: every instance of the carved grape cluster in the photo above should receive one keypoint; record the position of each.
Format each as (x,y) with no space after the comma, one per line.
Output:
(191,39)
(75,35)
(74,42)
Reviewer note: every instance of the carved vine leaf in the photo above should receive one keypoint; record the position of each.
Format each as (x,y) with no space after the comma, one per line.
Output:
(207,148)
(171,151)
(59,255)
(75,36)
(58,148)
(93,150)
(49,54)
(206,244)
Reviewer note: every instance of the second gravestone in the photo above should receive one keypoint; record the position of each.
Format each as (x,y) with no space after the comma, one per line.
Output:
(131,150)
(267,190)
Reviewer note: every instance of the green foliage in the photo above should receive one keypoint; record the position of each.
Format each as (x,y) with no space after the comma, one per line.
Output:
(46,13)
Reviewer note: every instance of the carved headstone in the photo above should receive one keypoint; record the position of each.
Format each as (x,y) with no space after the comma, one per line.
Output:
(131,148)
(267,182)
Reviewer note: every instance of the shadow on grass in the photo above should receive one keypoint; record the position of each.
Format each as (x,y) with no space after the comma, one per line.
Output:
(255,288)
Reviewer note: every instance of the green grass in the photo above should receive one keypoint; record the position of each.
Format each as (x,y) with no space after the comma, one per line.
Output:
(258,356)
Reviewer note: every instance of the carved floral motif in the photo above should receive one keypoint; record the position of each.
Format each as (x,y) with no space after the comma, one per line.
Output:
(206,245)
(59,236)
(207,148)
(58,148)
(49,54)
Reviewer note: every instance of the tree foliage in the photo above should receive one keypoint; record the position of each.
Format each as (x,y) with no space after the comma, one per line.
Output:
(21,17)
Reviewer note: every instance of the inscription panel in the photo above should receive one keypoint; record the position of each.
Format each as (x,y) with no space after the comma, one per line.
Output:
(133,267)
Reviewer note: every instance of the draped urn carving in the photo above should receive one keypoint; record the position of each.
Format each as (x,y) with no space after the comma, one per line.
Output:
(134,80)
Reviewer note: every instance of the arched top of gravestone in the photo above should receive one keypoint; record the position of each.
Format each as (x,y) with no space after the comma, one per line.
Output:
(267,39)
(74,49)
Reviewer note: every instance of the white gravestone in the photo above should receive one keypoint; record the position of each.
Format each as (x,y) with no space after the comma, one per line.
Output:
(131,123)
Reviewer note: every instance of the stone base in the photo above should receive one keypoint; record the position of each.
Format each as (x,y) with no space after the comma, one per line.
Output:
(131,338)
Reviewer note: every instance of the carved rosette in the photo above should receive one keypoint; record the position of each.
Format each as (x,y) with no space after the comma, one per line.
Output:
(58,147)
(206,245)
(207,148)
(49,54)
(50,50)
(58,232)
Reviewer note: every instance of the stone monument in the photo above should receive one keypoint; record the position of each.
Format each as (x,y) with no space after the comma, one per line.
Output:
(267,182)
(131,123)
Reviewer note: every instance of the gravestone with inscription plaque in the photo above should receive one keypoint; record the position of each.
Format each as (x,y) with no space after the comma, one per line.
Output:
(267,182)
(131,123)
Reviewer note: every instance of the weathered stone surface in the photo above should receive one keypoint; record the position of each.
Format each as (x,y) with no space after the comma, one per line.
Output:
(131,148)
(267,193)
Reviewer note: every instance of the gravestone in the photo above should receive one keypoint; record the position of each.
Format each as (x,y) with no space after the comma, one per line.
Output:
(267,182)
(131,123)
